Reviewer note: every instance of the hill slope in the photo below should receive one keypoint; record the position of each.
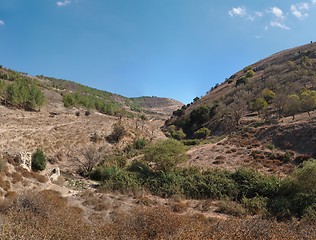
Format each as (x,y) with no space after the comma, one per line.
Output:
(276,96)
(59,93)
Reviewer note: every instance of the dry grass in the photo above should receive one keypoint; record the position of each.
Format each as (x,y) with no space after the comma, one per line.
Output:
(16,177)
(46,215)
(4,184)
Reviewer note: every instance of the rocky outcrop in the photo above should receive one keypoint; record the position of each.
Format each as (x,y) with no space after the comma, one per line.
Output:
(25,160)
(54,173)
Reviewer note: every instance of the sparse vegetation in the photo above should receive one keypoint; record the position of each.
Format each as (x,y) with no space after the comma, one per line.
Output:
(150,188)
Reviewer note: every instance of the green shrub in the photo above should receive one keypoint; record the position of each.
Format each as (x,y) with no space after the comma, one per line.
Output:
(259,104)
(310,213)
(24,93)
(114,178)
(141,168)
(38,160)
(252,184)
(116,159)
(69,100)
(271,146)
(180,112)
(190,142)
(250,73)
(256,205)
(202,133)
(165,184)
(140,143)
(208,184)
(1,164)
(297,193)
(2,89)
(178,134)
(231,208)
(166,154)
(292,105)
(268,94)
(200,115)
(92,100)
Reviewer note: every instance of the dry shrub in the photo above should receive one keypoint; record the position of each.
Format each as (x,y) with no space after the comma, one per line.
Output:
(34,175)
(231,208)
(39,177)
(154,223)
(20,169)
(16,177)
(10,195)
(45,215)
(42,215)
(219,159)
(4,184)
(179,207)
(101,206)
(25,173)
(205,205)
(145,201)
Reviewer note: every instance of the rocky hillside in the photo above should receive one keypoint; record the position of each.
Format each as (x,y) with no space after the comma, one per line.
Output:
(99,163)
(276,95)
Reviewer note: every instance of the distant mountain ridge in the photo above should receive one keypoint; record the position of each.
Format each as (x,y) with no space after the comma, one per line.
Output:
(72,94)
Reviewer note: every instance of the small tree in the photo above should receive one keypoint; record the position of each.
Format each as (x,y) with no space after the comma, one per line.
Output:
(259,105)
(38,160)
(166,154)
(308,101)
(280,103)
(200,115)
(92,157)
(292,106)
(202,133)
(268,95)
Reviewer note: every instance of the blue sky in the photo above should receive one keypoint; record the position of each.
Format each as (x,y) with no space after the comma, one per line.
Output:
(167,48)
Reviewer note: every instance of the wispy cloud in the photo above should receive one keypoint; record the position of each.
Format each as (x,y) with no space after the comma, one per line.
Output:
(277,12)
(300,10)
(238,11)
(1,22)
(242,12)
(63,3)
(279,25)
(275,17)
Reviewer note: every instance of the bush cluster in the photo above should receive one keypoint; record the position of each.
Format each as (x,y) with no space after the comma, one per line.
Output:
(296,195)
(160,174)
(22,93)
(91,102)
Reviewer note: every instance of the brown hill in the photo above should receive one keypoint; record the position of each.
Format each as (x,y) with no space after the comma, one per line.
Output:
(274,99)
(158,105)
